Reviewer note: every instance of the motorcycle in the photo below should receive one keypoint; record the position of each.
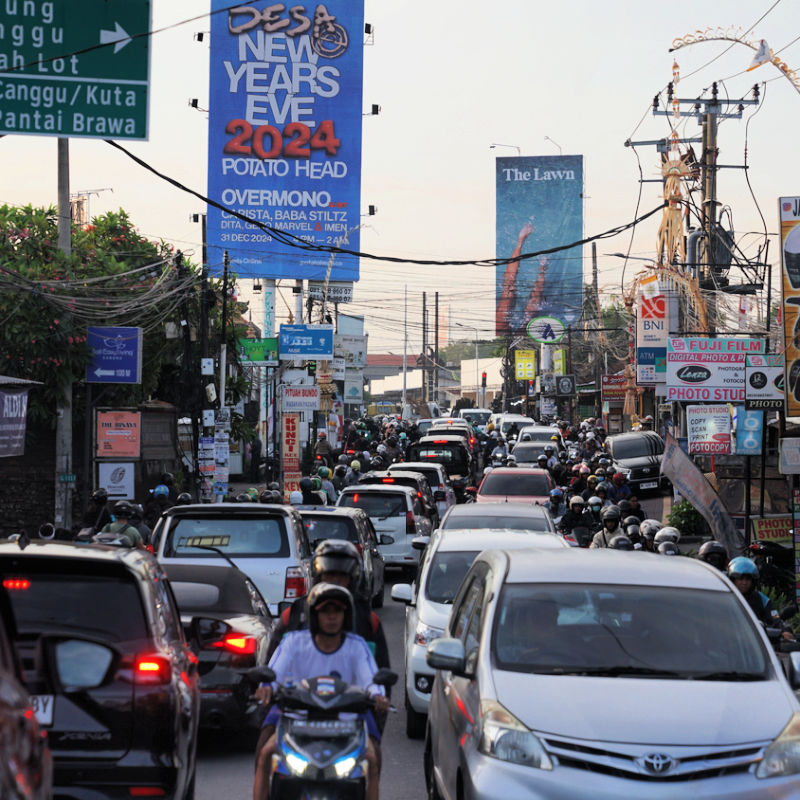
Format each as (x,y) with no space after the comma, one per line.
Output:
(775,566)
(319,755)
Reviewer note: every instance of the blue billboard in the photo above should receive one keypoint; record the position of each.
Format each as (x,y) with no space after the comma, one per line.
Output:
(306,341)
(284,137)
(539,204)
(116,355)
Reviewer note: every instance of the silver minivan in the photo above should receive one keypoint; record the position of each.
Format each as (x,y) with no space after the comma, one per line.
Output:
(395,511)
(603,675)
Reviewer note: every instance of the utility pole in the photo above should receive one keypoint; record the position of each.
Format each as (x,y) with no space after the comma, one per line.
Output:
(436,352)
(405,344)
(424,348)
(63,450)
(598,368)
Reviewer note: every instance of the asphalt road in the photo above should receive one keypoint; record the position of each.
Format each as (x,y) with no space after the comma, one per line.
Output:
(225,765)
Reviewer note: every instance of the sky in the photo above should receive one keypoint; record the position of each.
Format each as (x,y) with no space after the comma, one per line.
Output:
(453,78)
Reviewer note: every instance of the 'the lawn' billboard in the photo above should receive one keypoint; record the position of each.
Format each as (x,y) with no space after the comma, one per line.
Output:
(539,202)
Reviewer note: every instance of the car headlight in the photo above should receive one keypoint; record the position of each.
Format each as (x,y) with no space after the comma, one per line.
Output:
(782,757)
(425,634)
(624,470)
(506,738)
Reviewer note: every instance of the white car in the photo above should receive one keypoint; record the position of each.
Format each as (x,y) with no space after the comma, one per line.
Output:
(446,560)
(442,489)
(478,417)
(395,511)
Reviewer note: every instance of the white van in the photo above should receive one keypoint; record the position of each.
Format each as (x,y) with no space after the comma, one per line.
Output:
(477,417)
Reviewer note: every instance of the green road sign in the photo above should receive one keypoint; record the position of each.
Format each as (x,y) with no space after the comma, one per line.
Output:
(57,80)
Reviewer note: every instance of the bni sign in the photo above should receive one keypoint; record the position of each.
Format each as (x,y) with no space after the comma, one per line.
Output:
(116,355)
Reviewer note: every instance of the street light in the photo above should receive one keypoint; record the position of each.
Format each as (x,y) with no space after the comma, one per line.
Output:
(477,378)
(553,141)
(498,144)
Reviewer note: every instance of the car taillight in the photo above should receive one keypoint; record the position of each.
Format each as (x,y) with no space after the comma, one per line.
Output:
(151,669)
(410,526)
(387,480)
(295,585)
(360,548)
(238,643)
(16,584)
(146,791)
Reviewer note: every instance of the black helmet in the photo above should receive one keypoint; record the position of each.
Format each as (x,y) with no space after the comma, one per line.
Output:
(167,478)
(668,549)
(605,463)
(305,484)
(243,497)
(138,512)
(183,499)
(324,593)
(274,486)
(714,553)
(100,496)
(632,532)
(265,496)
(391,441)
(620,542)
(336,555)
(343,459)
(340,470)
(600,472)
(376,463)
(611,512)
(541,458)
(630,520)
(123,509)
(624,506)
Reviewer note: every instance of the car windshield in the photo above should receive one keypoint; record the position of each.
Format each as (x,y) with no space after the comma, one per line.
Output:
(328,526)
(451,456)
(518,422)
(245,536)
(615,630)
(476,417)
(431,475)
(462,521)
(106,607)
(515,484)
(445,574)
(637,447)
(378,505)
(525,452)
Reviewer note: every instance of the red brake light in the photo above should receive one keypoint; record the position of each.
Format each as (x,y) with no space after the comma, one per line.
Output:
(151,670)
(18,584)
(295,585)
(146,791)
(387,480)
(441,441)
(238,643)
(419,494)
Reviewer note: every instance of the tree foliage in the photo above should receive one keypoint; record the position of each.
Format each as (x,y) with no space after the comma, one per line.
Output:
(114,277)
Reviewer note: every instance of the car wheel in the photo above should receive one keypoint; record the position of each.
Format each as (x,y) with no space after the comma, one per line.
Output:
(415,722)
(430,780)
(377,599)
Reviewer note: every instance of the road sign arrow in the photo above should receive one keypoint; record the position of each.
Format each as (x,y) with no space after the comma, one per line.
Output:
(101,372)
(119,36)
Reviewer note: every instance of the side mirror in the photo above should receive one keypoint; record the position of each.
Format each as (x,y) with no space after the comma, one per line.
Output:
(206,631)
(258,675)
(385,677)
(440,496)
(284,605)
(793,669)
(447,654)
(78,664)
(386,539)
(420,542)
(401,592)
(473,490)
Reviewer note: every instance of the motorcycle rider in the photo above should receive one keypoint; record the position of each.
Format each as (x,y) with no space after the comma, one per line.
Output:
(555,505)
(157,505)
(576,517)
(714,553)
(97,514)
(327,647)
(123,511)
(618,488)
(744,576)
(610,517)
(354,476)
(322,449)
(327,486)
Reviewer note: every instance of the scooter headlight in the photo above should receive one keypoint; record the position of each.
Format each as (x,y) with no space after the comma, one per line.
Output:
(296,763)
(344,766)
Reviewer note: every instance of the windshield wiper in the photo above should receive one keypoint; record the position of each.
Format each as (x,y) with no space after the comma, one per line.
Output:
(730,675)
(626,669)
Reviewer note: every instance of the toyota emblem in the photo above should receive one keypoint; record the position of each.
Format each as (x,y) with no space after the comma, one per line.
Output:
(658,763)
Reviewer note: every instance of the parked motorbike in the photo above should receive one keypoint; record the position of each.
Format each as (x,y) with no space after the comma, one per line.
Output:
(319,755)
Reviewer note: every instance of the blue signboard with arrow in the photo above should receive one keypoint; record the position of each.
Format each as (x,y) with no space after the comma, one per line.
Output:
(116,355)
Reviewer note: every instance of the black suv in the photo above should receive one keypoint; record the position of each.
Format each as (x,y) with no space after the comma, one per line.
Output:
(637,455)
(107,666)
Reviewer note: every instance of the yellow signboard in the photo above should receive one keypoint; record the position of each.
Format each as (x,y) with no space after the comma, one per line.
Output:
(525,364)
(789,210)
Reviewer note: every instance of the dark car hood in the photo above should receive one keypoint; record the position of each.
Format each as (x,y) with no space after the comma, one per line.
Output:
(639,461)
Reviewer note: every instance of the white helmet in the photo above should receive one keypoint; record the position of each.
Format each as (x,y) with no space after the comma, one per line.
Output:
(296,498)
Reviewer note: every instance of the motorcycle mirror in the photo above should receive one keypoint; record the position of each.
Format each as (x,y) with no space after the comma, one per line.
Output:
(257,675)
(385,677)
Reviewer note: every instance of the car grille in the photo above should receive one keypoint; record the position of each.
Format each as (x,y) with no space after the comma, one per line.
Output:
(645,473)
(624,761)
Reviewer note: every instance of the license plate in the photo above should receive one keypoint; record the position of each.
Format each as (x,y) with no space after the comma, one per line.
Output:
(43,708)
(649,485)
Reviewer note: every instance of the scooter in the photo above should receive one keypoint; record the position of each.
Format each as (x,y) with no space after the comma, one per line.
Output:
(320,756)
